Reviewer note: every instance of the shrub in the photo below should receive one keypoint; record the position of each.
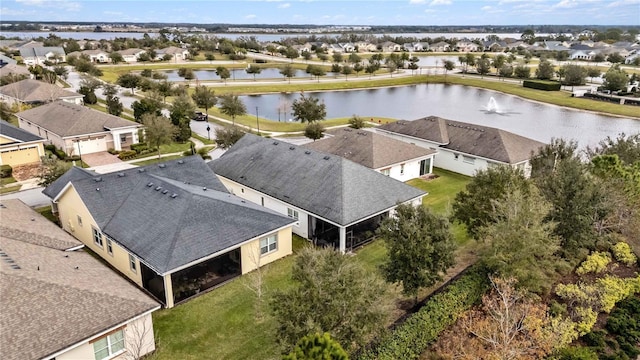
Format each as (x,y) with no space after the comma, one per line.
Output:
(113,151)
(577,353)
(127,154)
(622,252)
(50,147)
(541,85)
(410,339)
(614,289)
(356,122)
(139,147)
(5,171)
(60,154)
(595,263)
(72,158)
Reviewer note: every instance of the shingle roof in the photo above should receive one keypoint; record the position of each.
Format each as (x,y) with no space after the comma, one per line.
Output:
(66,119)
(326,185)
(16,133)
(14,69)
(52,299)
(483,141)
(165,217)
(34,91)
(369,149)
(31,51)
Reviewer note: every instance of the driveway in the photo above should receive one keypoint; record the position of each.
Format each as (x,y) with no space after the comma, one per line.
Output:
(100,158)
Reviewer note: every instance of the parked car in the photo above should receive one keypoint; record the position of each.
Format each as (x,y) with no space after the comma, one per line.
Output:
(199,116)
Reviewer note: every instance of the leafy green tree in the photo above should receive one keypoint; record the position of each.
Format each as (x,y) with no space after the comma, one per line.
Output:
(164,88)
(522,72)
(615,79)
(308,109)
(89,97)
(314,130)
(499,61)
(528,36)
(227,136)
(346,71)
(204,97)
(116,57)
(506,71)
(231,105)
(354,58)
(181,112)
(473,206)
(356,122)
(598,58)
(316,71)
(483,66)
(371,69)
(223,73)
(288,72)
(291,53)
(546,159)
(626,147)
(209,57)
(61,71)
(253,70)
(545,70)
(149,105)
(420,248)
(615,58)
(317,347)
(332,293)
(337,57)
(306,55)
(51,169)
(158,130)
(448,66)
(593,72)
(574,75)
(129,81)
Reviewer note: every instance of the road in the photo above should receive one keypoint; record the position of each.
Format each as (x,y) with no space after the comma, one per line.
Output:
(32,197)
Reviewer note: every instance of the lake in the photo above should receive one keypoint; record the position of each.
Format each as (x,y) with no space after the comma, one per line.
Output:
(236,74)
(456,102)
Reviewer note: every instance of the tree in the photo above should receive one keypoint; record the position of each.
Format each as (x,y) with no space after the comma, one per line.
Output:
(337,57)
(346,71)
(291,53)
(182,110)
(473,206)
(308,109)
(598,58)
(204,97)
(574,75)
(61,71)
(545,70)
(448,66)
(498,62)
(316,71)
(114,106)
(231,105)
(253,70)
(116,57)
(615,58)
(483,66)
(420,248)
(506,71)
(288,72)
(356,122)
(317,347)
(227,136)
(158,130)
(522,72)
(165,89)
(528,36)
(148,105)
(615,79)
(626,147)
(209,57)
(223,73)
(593,72)
(306,55)
(314,130)
(129,81)
(89,96)
(51,169)
(354,58)
(186,73)
(371,69)
(332,293)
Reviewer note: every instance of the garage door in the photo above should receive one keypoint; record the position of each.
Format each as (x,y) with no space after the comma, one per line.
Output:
(91,146)
(20,157)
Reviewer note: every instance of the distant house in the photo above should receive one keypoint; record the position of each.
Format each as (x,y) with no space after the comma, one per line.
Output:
(19,147)
(37,55)
(383,154)
(96,56)
(14,70)
(78,129)
(173,229)
(177,54)
(494,46)
(34,92)
(131,55)
(467,46)
(389,46)
(58,301)
(440,47)
(465,148)
(364,46)
(335,201)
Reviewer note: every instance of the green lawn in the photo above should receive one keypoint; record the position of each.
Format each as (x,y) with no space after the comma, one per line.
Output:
(10,188)
(7,180)
(155,160)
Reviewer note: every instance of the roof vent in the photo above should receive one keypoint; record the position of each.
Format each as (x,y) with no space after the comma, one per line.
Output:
(275,143)
(180,161)
(98,179)
(158,188)
(204,188)
(162,166)
(120,174)
(174,195)
(141,170)
(97,189)
(326,157)
(292,148)
(307,152)
(150,184)
(165,191)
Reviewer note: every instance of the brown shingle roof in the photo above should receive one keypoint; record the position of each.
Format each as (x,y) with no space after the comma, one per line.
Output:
(369,149)
(34,91)
(66,119)
(482,141)
(52,299)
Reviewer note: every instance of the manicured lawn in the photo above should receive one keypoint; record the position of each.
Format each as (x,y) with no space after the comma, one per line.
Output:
(10,188)
(155,160)
(7,180)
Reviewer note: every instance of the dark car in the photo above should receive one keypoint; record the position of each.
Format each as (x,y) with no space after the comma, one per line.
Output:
(199,116)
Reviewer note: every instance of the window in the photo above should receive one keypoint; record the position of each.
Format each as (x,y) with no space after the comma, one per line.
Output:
(123,138)
(468,159)
(97,236)
(401,169)
(386,171)
(262,201)
(268,244)
(292,213)
(132,263)
(79,221)
(109,247)
(109,345)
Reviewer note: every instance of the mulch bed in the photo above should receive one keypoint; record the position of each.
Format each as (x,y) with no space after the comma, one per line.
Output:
(25,172)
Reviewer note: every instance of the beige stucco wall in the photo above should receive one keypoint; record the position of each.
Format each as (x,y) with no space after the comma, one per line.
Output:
(250,252)
(4,140)
(70,206)
(19,154)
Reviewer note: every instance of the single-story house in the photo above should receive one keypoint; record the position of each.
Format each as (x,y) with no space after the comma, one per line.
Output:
(37,55)
(173,229)
(19,147)
(335,201)
(14,69)
(96,56)
(178,54)
(465,148)
(383,154)
(364,46)
(467,46)
(131,55)
(390,46)
(77,129)
(440,46)
(59,302)
(34,92)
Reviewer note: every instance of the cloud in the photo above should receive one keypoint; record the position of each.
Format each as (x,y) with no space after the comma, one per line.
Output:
(251,16)
(414,2)
(565,4)
(429,11)
(624,3)
(63,5)
(284,6)
(486,8)
(439,2)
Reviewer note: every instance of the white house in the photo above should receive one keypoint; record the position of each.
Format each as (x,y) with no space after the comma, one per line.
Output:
(177,54)
(465,148)
(38,55)
(131,55)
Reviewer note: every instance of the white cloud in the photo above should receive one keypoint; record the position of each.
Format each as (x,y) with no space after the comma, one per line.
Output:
(429,11)
(486,8)
(417,1)
(623,3)
(284,6)
(63,5)
(565,4)
(250,16)
(440,2)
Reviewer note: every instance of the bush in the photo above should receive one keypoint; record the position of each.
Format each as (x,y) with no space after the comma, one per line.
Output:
(5,171)
(356,122)
(541,85)
(60,154)
(614,289)
(127,154)
(595,263)
(50,147)
(410,339)
(139,147)
(72,158)
(113,151)
(622,252)
(577,353)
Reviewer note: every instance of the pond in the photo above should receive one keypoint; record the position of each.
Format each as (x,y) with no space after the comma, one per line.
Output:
(456,102)
(236,74)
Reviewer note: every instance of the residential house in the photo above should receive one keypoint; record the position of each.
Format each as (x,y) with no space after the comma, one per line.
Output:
(334,49)
(14,70)
(77,129)
(59,302)
(19,147)
(302,48)
(131,55)
(466,45)
(383,154)
(347,47)
(632,58)
(5,60)
(173,229)
(416,47)
(494,46)
(465,148)
(34,92)
(556,45)
(335,201)
(440,46)
(96,56)
(38,55)
(390,46)
(365,46)
(177,54)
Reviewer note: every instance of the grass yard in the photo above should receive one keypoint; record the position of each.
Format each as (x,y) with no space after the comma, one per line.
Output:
(155,160)
(9,188)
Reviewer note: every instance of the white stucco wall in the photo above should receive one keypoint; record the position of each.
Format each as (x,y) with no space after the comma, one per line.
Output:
(411,170)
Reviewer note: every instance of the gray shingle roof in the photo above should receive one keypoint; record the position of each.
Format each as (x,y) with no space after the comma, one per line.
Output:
(63,297)
(483,141)
(369,149)
(66,119)
(167,232)
(34,91)
(31,51)
(16,133)
(329,186)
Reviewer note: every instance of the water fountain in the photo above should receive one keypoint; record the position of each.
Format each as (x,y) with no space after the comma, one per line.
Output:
(492,106)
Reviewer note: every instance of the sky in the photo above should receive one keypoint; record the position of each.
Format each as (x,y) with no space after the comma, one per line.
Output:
(330,12)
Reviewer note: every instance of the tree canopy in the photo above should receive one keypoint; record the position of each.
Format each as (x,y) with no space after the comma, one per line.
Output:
(232,105)
(158,130)
(308,109)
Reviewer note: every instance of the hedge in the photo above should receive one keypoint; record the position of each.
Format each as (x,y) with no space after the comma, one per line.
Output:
(411,338)
(127,154)
(541,85)
(139,147)
(5,171)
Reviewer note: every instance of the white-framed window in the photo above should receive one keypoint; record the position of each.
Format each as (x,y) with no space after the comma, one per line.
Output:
(97,236)
(268,244)
(386,171)
(123,138)
(109,247)
(132,263)
(79,220)
(292,213)
(468,159)
(109,346)
(401,169)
